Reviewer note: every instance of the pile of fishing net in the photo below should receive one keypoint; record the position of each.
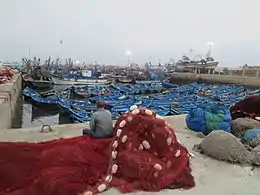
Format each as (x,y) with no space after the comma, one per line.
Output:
(241,125)
(143,155)
(225,146)
(252,137)
(246,108)
(6,75)
(246,123)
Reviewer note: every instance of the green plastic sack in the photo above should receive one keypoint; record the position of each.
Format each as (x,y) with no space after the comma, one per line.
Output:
(217,119)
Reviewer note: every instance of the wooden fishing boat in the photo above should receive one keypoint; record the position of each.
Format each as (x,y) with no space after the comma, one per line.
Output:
(30,82)
(165,103)
(47,101)
(80,113)
(75,118)
(123,89)
(123,79)
(64,105)
(120,109)
(117,102)
(174,111)
(169,85)
(82,105)
(28,92)
(115,115)
(81,91)
(97,90)
(80,81)
(147,82)
(113,96)
(162,111)
(39,100)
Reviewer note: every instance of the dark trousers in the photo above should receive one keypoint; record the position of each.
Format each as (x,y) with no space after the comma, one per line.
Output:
(87,131)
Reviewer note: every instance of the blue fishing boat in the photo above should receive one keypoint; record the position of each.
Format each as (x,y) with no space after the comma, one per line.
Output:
(169,85)
(65,105)
(86,78)
(38,99)
(115,115)
(64,101)
(100,90)
(77,119)
(120,109)
(162,111)
(122,88)
(80,113)
(145,103)
(117,103)
(47,101)
(166,103)
(28,92)
(83,105)
(113,96)
(81,91)
(174,111)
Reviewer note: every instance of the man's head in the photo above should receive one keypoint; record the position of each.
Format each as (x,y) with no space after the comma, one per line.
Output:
(100,104)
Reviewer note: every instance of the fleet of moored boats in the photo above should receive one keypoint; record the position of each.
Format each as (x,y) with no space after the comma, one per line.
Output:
(165,98)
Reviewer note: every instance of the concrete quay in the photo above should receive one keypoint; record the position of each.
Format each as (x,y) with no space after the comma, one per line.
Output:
(211,176)
(215,78)
(9,95)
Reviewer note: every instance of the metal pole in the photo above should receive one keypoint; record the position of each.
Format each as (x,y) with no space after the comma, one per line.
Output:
(29,51)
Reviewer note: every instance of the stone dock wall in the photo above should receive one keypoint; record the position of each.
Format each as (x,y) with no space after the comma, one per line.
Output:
(213,78)
(9,95)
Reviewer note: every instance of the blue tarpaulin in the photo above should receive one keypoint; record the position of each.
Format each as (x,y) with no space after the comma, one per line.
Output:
(207,119)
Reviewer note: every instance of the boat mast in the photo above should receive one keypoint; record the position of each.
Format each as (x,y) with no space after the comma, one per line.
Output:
(210,44)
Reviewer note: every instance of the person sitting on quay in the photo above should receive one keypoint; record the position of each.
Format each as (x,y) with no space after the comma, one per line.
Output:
(101,123)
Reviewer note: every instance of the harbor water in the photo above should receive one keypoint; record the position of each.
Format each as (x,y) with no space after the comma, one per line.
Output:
(31,115)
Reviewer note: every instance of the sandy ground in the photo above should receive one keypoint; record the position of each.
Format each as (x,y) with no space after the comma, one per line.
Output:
(212,177)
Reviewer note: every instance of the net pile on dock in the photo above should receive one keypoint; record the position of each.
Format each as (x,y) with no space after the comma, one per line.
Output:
(241,125)
(143,155)
(246,108)
(237,146)
(6,75)
(252,137)
(225,146)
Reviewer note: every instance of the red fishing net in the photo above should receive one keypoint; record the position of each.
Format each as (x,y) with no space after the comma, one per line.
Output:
(246,108)
(143,155)
(5,75)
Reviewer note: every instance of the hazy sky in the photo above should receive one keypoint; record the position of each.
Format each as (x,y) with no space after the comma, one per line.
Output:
(103,30)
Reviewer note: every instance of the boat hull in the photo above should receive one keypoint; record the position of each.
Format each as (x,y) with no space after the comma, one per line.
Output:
(193,65)
(41,84)
(147,82)
(29,82)
(59,81)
